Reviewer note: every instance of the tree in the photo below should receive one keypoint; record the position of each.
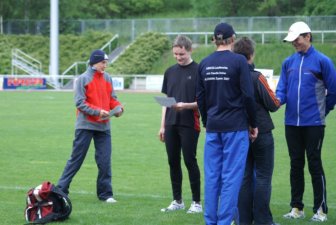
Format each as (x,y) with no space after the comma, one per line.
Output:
(220,8)
(107,9)
(321,7)
(136,7)
(281,7)
(24,9)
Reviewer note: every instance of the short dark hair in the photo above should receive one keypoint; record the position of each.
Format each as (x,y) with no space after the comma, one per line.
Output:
(183,42)
(220,41)
(305,34)
(244,46)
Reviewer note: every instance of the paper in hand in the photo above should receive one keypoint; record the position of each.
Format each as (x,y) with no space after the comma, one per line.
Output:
(114,111)
(165,101)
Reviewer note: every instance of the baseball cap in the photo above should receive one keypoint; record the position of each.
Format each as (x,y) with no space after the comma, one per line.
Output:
(223,31)
(97,56)
(295,30)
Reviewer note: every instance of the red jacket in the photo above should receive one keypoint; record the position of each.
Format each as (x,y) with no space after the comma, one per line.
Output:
(94,92)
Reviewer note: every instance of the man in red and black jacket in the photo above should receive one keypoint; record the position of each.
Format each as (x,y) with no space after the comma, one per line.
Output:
(255,192)
(94,99)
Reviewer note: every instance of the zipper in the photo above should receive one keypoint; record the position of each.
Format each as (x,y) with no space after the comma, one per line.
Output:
(100,92)
(299,87)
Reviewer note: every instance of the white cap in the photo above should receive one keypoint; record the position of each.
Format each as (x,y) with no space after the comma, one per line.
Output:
(295,30)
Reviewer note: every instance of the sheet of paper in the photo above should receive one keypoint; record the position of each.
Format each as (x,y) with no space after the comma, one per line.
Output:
(165,101)
(116,109)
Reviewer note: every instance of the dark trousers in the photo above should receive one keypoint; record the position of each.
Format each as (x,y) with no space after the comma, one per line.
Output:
(301,140)
(185,138)
(81,144)
(255,192)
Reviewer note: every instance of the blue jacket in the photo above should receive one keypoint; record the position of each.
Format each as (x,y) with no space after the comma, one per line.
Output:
(307,86)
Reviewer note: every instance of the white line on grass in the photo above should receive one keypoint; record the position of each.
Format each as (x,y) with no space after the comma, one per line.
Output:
(82,192)
(15,188)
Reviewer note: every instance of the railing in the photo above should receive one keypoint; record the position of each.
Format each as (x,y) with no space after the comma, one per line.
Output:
(262,34)
(76,65)
(109,44)
(25,62)
(30,65)
(129,29)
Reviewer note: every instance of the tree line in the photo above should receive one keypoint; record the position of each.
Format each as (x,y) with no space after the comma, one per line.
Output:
(111,9)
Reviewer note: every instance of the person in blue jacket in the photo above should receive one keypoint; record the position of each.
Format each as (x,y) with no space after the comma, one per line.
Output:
(307,86)
(226,103)
(255,192)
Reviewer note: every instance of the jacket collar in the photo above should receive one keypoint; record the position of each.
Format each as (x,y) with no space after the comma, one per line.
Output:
(251,67)
(310,50)
(93,71)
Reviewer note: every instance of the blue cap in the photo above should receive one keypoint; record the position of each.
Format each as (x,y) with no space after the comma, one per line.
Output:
(223,31)
(97,56)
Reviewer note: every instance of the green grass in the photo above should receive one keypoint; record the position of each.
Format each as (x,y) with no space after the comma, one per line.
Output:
(37,129)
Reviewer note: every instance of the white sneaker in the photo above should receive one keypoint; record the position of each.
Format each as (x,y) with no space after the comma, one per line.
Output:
(195,208)
(295,213)
(320,216)
(174,205)
(110,200)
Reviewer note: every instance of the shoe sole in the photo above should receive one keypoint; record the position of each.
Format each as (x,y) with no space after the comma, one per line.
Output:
(294,218)
(169,210)
(192,212)
(316,220)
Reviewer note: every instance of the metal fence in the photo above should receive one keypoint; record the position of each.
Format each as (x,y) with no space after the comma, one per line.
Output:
(129,29)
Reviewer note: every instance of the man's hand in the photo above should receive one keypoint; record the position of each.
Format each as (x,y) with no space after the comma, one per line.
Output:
(104,115)
(161,134)
(118,114)
(179,106)
(253,133)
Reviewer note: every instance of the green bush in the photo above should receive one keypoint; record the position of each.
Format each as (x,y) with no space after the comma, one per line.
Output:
(149,54)
(140,56)
(72,48)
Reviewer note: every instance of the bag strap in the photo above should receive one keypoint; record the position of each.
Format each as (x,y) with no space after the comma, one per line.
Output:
(65,199)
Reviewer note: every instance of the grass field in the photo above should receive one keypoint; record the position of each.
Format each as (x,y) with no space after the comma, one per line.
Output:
(37,129)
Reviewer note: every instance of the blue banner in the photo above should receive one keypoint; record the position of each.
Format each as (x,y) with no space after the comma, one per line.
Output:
(24,83)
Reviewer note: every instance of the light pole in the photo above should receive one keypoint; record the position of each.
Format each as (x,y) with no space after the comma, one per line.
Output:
(53,67)
(1,26)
